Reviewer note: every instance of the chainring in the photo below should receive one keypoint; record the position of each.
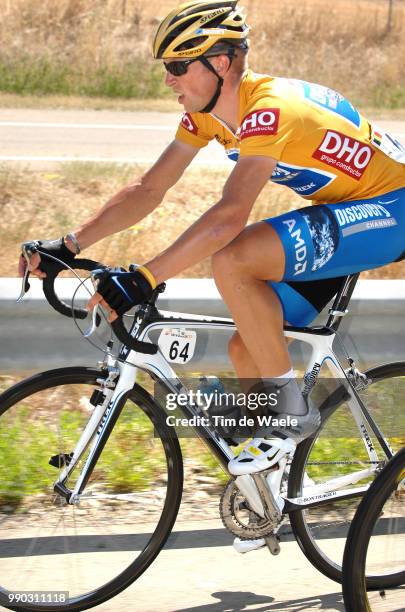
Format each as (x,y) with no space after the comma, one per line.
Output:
(239,519)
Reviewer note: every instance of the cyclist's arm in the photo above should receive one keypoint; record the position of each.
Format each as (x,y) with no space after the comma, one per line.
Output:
(131,204)
(220,224)
(138,199)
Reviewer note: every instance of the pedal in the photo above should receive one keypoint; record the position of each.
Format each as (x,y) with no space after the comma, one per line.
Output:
(273,544)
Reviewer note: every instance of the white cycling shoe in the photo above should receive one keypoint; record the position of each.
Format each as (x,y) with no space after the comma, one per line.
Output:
(245,546)
(260,454)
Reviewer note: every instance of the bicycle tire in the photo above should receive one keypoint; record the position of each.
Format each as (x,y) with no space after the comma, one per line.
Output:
(361,529)
(298,521)
(83,376)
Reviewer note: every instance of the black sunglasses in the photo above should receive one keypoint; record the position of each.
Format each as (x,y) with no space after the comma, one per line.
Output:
(179,68)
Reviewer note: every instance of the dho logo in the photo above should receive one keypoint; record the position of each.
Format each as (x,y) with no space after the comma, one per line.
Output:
(260,123)
(347,154)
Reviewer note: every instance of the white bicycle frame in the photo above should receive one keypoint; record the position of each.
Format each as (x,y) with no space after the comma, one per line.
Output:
(124,371)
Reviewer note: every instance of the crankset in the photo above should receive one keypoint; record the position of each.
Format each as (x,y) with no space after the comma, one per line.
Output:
(239,518)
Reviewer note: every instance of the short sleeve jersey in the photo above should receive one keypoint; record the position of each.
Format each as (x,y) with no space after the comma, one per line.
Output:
(325,150)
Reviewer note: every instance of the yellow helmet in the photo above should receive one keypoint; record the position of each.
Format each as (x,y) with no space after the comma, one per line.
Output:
(193,28)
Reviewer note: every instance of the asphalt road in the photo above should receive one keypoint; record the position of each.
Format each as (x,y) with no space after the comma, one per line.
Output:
(203,573)
(198,571)
(45,137)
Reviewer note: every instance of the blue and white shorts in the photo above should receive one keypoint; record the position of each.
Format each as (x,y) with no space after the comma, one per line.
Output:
(326,242)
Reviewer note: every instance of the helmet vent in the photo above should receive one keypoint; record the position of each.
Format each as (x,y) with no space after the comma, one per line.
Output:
(235,28)
(201,7)
(191,44)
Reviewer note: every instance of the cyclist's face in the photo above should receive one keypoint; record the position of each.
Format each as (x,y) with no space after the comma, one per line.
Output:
(195,88)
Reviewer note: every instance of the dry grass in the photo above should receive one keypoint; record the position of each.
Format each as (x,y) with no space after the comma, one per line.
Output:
(99,46)
(38,205)
(163,105)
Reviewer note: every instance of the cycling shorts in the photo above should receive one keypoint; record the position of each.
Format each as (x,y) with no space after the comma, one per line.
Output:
(324,243)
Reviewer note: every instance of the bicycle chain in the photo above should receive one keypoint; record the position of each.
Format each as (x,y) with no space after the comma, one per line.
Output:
(344,462)
(323,526)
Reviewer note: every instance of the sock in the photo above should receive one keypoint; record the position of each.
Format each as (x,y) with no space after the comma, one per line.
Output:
(289,374)
(292,402)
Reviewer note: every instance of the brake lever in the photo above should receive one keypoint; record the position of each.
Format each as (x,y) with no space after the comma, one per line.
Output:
(27,250)
(95,318)
(93,325)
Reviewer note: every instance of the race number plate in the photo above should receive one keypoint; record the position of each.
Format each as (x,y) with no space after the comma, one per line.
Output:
(177,345)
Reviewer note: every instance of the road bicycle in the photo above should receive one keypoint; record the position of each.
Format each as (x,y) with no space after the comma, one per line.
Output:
(376,542)
(91,472)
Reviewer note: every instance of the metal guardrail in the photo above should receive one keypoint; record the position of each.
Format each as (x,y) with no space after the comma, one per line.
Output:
(33,336)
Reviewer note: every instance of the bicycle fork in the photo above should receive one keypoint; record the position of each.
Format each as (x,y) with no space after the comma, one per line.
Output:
(109,400)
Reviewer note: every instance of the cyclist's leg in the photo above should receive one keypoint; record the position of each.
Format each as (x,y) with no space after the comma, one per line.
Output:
(297,303)
(300,302)
(242,360)
(241,278)
(319,242)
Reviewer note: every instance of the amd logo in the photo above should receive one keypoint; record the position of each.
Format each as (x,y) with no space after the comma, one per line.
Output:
(299,246)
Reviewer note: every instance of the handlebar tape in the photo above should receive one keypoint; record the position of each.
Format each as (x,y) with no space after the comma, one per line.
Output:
(49,288)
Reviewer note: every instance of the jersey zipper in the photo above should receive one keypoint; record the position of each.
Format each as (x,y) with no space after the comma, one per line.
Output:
(226,126)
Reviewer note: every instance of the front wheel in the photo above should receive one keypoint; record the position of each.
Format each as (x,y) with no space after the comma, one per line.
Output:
(337,450)
(376,541)
(56,556)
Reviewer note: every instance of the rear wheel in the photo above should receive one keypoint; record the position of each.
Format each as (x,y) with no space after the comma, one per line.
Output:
(337,450)
(89,552)
(376,542)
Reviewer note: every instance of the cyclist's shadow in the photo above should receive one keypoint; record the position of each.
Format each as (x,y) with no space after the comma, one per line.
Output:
(236,601)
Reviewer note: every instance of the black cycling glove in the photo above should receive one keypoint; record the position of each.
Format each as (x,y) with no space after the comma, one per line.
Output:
(56,248)
(122,290)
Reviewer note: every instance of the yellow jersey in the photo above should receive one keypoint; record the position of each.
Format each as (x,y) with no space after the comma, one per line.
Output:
(325,150)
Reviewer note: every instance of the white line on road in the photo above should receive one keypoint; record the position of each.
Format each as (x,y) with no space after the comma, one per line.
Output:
(112,160)
(100,126)
(72,158)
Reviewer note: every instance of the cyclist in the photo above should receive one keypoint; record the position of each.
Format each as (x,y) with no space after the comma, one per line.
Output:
(286,268)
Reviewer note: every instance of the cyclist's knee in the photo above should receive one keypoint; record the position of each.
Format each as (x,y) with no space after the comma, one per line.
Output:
(232,258)
(223,261)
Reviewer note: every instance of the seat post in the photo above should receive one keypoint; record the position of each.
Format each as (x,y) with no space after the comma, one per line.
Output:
(341,302)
